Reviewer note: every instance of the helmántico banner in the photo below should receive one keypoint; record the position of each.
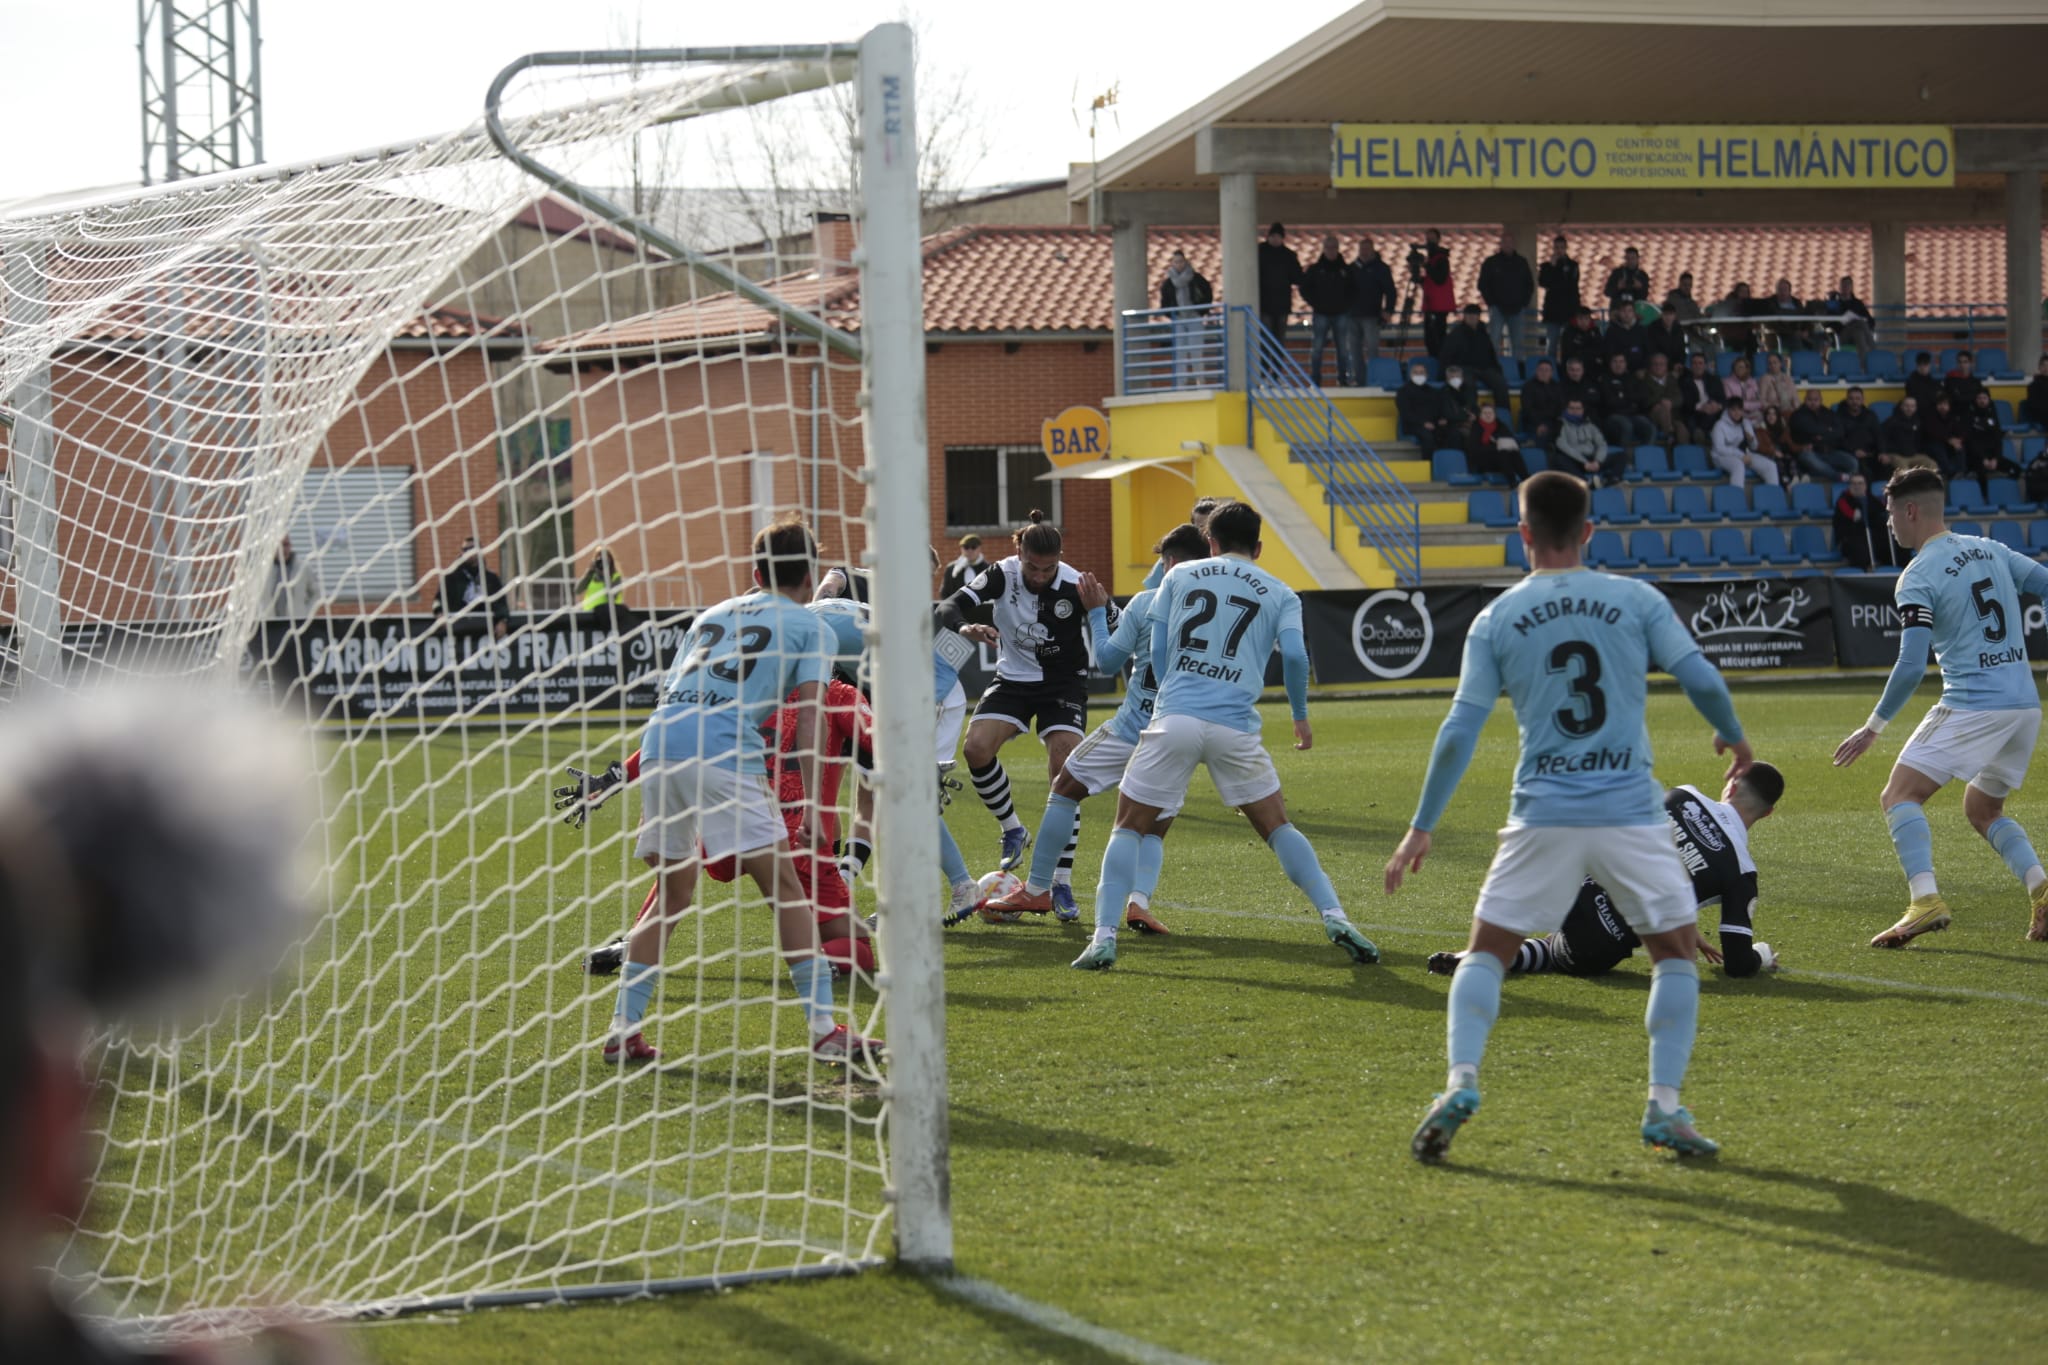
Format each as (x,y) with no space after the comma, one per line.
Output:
(1409,156)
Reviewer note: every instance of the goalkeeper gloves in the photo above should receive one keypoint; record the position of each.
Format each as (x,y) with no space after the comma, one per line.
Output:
(588,792)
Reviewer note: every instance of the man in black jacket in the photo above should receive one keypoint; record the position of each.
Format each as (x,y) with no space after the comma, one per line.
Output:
(1923,385)
(1962,383)
(1862,532)
(1542,403)
(1425,416)
(1666,338)
(1469,348)
(1560,280)
(1508,288)
(1626,337)
(1623,417)
(1279,271)
(1857,430)
(1326,288)
(472,598)
(1703,398)
(1373,300)
(1627,282)
(1583,384)
(1581,343)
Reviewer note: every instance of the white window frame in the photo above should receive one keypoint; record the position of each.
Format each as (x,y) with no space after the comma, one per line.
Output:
(1008,518)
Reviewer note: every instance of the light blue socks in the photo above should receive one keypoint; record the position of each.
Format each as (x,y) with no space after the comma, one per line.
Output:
(812,977)
(2006,836)
(950,858)
(1298,861)
(1151,856)
(1673,1018)
(1054,829)
(1473,1005)
(1910,836)
(636,988)
(1119,873)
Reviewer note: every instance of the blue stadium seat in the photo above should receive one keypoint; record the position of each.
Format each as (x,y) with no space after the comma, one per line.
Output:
(2005,496)
(2008,533)
(1690,547)
(1811,500)
(1991,363)
(1611,505)
(1648,546)
(2004,410)
(1490,508)
(1810,543)
(1770,502)
(1448,466)
(1383,372)
(1805,365)
(2037,536)
(1882,410)
(1689,503)
(1691,462)
(1517,558)
(1966,495)
(1650,462)
(1946,361)
(1605,551)
(2030,447)
(1733,503)
(1883,365)
(1724,363)
(1651,506)
(1729,546)
(1768,544)
(1844,364)
(1511,370)
(1967,528)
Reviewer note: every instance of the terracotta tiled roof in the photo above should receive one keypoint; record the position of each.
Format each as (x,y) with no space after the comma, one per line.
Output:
(1057,280)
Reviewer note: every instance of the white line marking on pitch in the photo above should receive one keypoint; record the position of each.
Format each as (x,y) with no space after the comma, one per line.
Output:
(983,1294)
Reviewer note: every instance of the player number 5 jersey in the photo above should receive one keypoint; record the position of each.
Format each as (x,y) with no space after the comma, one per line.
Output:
(1963,589)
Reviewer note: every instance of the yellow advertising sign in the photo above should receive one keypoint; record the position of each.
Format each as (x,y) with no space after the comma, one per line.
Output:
(1075,435)
(1451,156)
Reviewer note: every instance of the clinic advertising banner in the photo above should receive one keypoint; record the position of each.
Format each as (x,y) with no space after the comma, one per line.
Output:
(1449,156)
(1753,623)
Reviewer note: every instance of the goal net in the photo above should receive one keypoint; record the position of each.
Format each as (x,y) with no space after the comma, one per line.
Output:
(431,446)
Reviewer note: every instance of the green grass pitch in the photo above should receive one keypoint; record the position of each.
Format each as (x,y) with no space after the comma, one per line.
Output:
(1206,1149)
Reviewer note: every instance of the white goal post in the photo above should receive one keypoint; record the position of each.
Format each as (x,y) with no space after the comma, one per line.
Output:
(445,449)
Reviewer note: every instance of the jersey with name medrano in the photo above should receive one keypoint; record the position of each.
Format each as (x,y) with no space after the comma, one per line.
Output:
(1041,636)
(1574,649)
(1132,640)
(1214,625)
(737,662)
(1962,588)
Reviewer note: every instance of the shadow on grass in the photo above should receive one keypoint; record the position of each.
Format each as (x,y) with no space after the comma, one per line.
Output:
(973,1127)
(1788,988)
(1895,1230)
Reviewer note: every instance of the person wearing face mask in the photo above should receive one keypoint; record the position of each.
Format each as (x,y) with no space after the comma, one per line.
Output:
(1462,402)
(1491,447)
(1470,349)
(1423,413)
(1582,448)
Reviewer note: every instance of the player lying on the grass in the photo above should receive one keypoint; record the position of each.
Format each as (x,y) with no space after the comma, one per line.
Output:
(1573,647)
(1713,842)
(1046,616)
(1961,594)
(1099,761)
(1215,623)
(702,757)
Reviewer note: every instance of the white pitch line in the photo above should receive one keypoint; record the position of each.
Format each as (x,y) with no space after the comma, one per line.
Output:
(983,1294)
(1974,992)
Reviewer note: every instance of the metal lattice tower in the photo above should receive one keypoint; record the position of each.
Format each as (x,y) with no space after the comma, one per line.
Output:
(202,91)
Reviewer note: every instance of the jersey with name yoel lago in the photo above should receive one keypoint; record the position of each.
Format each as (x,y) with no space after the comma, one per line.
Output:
(1215,623)
(1132,640)
(1574,649)
(738,661)
(1963,589)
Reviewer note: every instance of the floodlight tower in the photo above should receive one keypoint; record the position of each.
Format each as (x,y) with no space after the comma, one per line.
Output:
(202,90)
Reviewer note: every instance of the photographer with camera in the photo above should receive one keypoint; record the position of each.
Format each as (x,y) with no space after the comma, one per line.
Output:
(1429,268)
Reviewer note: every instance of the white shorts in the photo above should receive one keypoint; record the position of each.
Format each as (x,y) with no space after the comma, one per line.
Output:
(1168,750)
(1100,761)
(952,719)
(1990,748)
(691,802)
(1537,870)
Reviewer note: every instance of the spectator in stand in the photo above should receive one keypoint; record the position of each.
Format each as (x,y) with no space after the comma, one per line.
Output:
(1984,442)
(1859,433)
(1626,337)
(1942,433)
(1817,440)
(1741,383)
(1702,397)
(1279,272)
(1661,398)
(1184,288)
(1583,451)
(294,585)
(1627,283)
(1729,314)
(1439,291)
(472,597)
(1422,411)
(1560,280)
(1923,384)
(2034,407)
(1542,404)
(1373,301)
(1783,303)
(1326,288)
(1462,398)
(1507,287)
(962,570)
(1666,338)
(1491,447)
(1581,343)
(1732,445)
(1623,417)
(1962,383)
(1774,439)
(1469,348)
(1776,388)
(1582,383)
(1862,529)
(1680,300)
(1855,326)
(1901,444)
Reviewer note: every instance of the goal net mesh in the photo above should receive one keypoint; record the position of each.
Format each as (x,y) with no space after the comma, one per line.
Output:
(252,426)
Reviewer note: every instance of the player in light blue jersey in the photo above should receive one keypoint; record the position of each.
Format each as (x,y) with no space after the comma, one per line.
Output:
(1215,623)
(703,784)
(1961,594)
(1573,648)
(1099,761)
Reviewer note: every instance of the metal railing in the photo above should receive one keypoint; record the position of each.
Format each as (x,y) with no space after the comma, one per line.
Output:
(1382,508)
(1165,349)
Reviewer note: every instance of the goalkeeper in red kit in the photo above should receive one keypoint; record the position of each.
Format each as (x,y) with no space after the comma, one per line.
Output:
(846,736)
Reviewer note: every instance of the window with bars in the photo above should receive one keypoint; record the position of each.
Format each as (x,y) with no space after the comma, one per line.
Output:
(994,488)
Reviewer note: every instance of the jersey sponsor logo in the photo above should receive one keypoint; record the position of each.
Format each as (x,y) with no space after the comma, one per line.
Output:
(1202,668)
(1592,761)
(1703,827)
(1995,659)
(1391,633)
(979,583)
(1063,609)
